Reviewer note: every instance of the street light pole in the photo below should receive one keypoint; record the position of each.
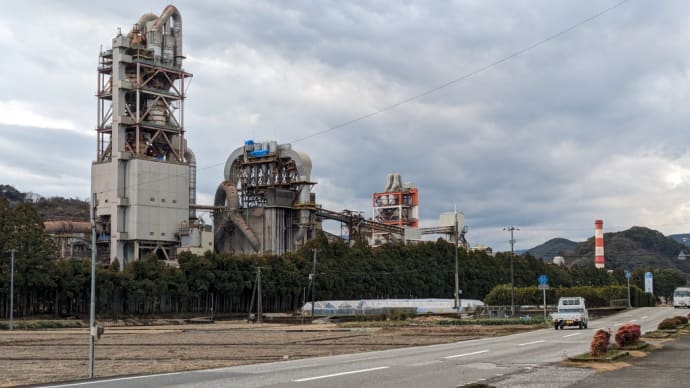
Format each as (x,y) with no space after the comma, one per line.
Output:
(629,305)
(511,229)
(92,312)
(12,289)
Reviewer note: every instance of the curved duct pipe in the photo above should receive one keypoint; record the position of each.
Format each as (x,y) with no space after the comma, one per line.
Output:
(168,12)
(397,183)
(141,24)
(226,195)
(389,183)
(191,160)
(57,227)
(304,169)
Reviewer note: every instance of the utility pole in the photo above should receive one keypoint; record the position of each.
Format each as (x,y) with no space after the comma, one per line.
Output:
(457,277)
(512,229)
(259,308)
(313,280)
(12,289)
(92,314)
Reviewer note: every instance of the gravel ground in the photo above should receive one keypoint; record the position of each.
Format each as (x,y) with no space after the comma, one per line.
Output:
(48,356)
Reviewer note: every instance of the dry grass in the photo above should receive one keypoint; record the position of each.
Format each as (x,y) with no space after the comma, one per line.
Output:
(598,366)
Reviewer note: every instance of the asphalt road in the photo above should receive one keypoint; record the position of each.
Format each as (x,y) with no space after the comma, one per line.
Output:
(525,359)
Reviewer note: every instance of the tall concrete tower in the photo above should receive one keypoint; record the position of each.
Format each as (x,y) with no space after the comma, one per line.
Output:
(144,173)
(599,243)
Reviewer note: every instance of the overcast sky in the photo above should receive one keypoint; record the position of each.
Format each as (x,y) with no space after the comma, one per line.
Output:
(590,124)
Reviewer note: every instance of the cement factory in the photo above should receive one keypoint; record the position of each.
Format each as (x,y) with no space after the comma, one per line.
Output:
(143,179)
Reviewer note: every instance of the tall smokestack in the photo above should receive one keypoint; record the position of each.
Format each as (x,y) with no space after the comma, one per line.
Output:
(599,243)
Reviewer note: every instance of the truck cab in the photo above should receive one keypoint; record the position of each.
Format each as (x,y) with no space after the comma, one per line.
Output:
(571,312)
(681,297)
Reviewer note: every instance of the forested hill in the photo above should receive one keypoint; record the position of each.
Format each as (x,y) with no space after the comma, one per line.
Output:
(553,247)
(54,208)
(636,247)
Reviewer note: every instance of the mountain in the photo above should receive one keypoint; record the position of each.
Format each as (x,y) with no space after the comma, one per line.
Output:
(681,238)
(54,208)
(637,247)
(553,247)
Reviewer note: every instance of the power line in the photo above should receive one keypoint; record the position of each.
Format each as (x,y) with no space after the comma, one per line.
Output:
(465,76)
(435,89)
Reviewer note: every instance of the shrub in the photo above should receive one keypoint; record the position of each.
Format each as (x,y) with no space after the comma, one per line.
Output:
(668,324)
(600,343)
(683,320)
(628,334)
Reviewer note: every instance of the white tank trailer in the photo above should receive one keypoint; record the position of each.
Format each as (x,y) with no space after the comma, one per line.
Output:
(143,177)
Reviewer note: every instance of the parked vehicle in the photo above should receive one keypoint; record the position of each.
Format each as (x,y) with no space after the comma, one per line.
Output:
(571,312)
(681,297)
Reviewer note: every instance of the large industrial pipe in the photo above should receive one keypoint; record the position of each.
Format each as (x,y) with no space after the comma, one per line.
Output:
(168,12)
(191,160)
(226,195)
(58,227)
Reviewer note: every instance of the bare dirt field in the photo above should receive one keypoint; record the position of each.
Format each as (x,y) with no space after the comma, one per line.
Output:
(48,356)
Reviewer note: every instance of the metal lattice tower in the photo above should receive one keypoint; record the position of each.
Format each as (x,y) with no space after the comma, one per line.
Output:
(144,173)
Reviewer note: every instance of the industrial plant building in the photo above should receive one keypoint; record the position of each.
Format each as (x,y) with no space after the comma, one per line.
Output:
(143,178)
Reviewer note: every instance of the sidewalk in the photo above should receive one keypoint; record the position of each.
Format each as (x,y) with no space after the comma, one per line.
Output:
(665,367)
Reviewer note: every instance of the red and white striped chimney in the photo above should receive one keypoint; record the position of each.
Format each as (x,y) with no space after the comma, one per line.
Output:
(599,243)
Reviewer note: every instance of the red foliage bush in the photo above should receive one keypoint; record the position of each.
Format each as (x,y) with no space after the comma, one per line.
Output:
(600,342)
(683,320)
(628,334)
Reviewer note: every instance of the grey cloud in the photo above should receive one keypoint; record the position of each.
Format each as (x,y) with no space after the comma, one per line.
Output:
(517,144)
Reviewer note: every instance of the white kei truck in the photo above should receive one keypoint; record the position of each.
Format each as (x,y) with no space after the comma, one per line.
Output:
(571,312)
(681,297)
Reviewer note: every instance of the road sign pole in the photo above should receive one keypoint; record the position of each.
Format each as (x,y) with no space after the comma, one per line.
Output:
(544,304)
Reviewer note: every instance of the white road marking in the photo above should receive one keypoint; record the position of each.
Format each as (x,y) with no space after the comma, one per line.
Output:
(618,324)
(633,320)
(466,354)
(339,374)
(570,335)
(531,343)
(111,380)
(644,317)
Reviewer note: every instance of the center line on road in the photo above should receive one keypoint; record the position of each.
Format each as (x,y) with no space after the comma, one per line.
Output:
(339,374)
(531,343)
(466,354)
(633,320)
(570,335)
(644,317)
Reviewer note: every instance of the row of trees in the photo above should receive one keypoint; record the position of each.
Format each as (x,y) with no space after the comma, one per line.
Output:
(224,283)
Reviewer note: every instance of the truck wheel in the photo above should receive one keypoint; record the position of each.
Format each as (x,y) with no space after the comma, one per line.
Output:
(579,326)
(585,324)
(561,324)
(555,326)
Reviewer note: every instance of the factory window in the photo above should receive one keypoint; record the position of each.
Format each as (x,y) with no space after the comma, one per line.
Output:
(162,233)
(174,201)
(163,200)
(150,233)
(153,199)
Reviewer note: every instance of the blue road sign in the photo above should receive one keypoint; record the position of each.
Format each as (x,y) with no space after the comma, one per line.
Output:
(627,274)
(543,279)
